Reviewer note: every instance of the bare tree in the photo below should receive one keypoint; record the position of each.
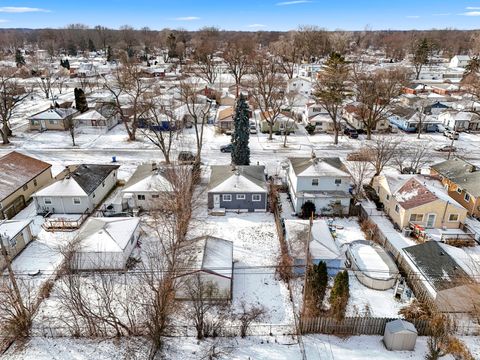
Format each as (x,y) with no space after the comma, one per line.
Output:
(410,159)
(331,89)
(360,172)
(381,152)
(130,93)
(268,88)
(248,315)
(11,96)
(238,55)
(287,49)
(45,82)
(375,90)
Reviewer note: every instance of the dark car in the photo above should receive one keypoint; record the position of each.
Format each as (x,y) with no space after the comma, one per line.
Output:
(186,157)
(226,148)
(351,133)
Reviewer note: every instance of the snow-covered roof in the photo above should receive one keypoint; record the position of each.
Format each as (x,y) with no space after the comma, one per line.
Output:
(90,115)
(66,187)
(148,178)
(331,167)
(400,326)
(11,228)
(53,114)
(107,234)
(250,178)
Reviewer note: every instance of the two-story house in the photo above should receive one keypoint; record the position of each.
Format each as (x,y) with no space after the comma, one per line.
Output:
(462,181)
(419,200)
(326,182)
(316,115)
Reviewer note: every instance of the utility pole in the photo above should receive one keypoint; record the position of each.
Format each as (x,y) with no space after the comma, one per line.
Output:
(307,263)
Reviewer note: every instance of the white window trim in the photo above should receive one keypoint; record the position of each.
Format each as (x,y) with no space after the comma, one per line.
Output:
(141,195)
(47,201)
(259,197)
(410,219)
(240,196)
(226,197)
(76,203)
(459,190)
(465,197)
(397,209)
(318,182)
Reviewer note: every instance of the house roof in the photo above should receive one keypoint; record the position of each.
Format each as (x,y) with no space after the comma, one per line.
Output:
(331,166)
(399,325)
(83,180)
(16,170)
(90,115)
(107,234)
(462,173)
(53,114)
(403,112)
(148,178)
(250,178)
(440,269)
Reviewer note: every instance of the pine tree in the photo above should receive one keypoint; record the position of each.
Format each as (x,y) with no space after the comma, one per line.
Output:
(317,278)
(241,134)
(80,100)
(91,46)
(19,59)
(109,53)
(339,295)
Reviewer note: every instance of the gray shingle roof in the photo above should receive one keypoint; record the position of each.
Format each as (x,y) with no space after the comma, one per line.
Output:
(90,176)
(462,173)
(220,173)
(440,269)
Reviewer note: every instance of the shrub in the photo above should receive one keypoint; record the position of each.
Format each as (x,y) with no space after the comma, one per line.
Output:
(308,208)
(339,295)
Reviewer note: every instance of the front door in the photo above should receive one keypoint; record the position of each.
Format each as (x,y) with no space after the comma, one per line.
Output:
(216,201)
(431,220)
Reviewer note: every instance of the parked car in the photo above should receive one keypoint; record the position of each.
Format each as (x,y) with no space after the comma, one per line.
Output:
(446,148)
(454,135)
(253,129)
(226,148)
(186,157)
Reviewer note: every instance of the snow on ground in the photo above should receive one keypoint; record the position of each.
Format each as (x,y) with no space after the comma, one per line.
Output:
(255,252)
(321,347)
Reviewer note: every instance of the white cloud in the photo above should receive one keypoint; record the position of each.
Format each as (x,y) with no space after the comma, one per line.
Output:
(3,21)
(284,3)
(256,25)
(412,16)
(16,9)
(187,18)
(471,13)
(473,8)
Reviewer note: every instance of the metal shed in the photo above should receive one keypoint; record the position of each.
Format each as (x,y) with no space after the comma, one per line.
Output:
(400,335)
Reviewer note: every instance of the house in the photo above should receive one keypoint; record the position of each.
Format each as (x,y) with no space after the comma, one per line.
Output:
(106,243)
(351,113)
(15,235)
(325,182)
(460,120)
(418,200)
(209,261)
(240,188)
(79,189)
(322,246)
(103,117)
(461,180)
(227,99)
(147,187)
(301,85)
(408,120)
(436,108)
(20,177)
(459,61)
(224,119)
(283,123)
(439,276)
(316,115)
(52,119)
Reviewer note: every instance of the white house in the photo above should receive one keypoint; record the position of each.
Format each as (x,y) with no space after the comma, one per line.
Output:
(460,120)
(301,85)
(15,235)
(459,61)
(317,116)
(78,189)
(325,182)
(146,187)
(210,262)
(106,243)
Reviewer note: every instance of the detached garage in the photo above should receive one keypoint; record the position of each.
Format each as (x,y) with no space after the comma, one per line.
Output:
(400,335)
(106,243)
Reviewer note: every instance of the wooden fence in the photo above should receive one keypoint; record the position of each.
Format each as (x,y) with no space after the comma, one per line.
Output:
(354,326)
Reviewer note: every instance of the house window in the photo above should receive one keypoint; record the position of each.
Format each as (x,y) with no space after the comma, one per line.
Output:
(53,122)
(34,182)
(459,190)
(467,197)
(132,239)
(314,182)
(453,217)
(397,208)
(103,184)
(227,197)
(155,196)
(338,181)
(47,201)
(141,197)
(76,201)
(12,241)
(25,187)
(240,196)
(416,217)
(256,197)
(387,197)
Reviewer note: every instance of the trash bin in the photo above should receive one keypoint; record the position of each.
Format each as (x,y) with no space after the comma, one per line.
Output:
(114,159)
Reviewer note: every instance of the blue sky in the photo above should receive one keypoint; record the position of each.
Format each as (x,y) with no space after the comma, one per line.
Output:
(244,14)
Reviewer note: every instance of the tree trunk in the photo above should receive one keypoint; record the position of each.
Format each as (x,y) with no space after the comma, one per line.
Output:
(270,131)
(369,133)
(335,138)
(4,134)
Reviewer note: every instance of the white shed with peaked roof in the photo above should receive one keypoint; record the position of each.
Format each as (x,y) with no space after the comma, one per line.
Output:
(400,335)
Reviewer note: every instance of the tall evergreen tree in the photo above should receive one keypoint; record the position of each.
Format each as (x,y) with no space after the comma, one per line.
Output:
(80,100)
(91,46)
(317,278)
(109,53)
(19,59)
(241,134)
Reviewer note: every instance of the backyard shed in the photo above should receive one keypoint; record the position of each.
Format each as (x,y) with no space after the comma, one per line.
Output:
(400,335)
